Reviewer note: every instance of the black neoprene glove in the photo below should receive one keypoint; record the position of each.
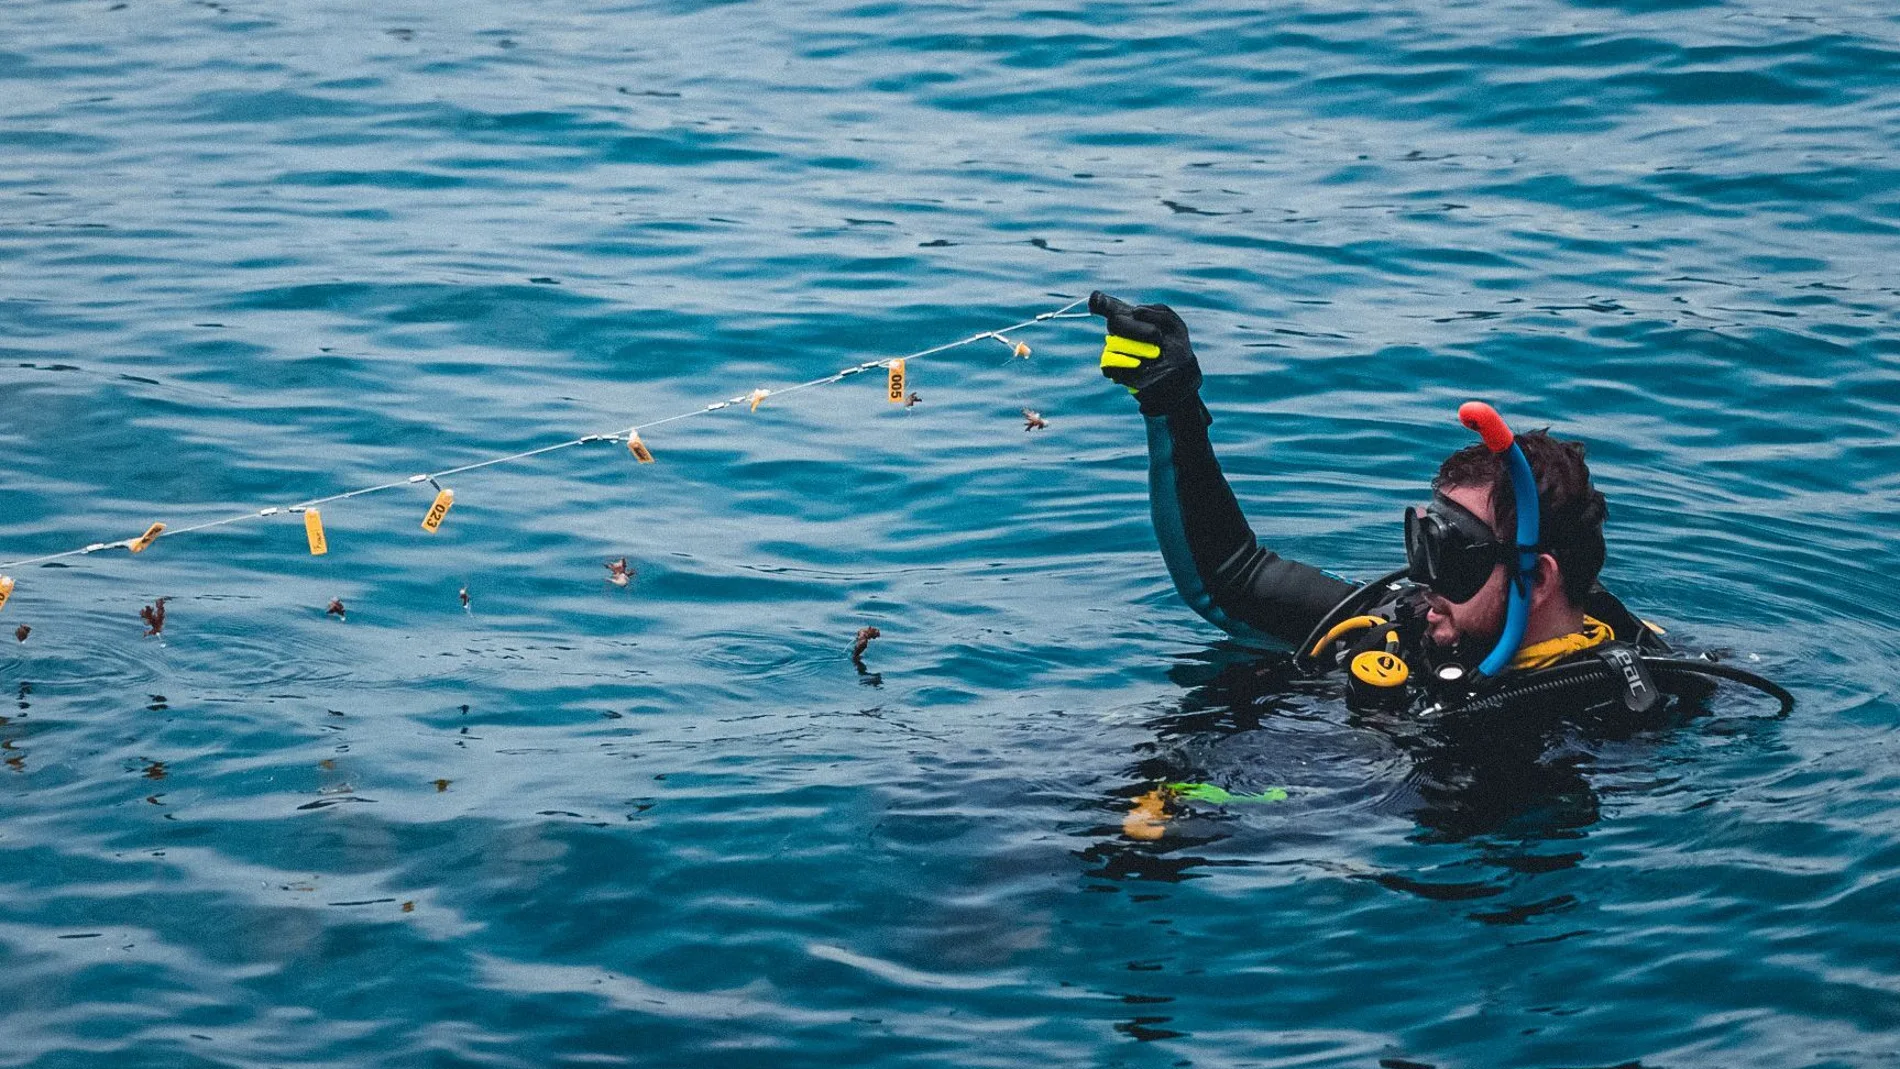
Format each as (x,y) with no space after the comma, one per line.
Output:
(1148,352)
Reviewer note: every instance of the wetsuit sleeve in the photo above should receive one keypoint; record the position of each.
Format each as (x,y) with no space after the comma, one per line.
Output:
(1217,564)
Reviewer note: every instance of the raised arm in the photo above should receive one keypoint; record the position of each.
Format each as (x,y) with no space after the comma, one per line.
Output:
(1217,564)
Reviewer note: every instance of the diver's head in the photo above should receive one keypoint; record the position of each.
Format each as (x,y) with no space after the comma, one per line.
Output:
(1470,562)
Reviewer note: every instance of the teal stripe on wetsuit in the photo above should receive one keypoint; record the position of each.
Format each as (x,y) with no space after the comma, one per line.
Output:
(1212,555)
(1164,502)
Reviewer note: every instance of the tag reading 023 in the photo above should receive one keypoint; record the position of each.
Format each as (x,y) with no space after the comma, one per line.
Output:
(438,510)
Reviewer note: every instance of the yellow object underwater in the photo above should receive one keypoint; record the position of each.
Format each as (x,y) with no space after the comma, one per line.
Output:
(1149,818)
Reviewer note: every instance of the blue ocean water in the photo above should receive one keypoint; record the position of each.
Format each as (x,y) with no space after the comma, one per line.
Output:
(252,254)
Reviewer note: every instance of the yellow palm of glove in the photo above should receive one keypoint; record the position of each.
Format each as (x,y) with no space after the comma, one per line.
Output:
(1148,354)
(1122,353)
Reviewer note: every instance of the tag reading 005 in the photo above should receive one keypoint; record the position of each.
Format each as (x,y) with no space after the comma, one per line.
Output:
(896,383)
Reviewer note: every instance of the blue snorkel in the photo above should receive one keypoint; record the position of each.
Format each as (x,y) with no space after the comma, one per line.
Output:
(1498,438)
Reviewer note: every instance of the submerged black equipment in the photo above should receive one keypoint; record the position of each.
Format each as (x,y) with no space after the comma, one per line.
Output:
(1597,676)
(1455,691)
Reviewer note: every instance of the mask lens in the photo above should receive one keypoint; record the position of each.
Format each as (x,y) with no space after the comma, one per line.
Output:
(1462,571)
(1440,553)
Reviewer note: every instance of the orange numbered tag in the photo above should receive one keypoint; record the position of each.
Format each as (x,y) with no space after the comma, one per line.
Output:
(313,530)
(438,510)
(638,448)
(756,396)
(137,545)
(6,589)
(896,392)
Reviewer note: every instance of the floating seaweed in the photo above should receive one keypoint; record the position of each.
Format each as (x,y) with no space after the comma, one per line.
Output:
(861,643)
(154,616)
(1033,421)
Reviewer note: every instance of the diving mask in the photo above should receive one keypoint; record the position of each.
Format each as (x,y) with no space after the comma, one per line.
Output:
(1450,550)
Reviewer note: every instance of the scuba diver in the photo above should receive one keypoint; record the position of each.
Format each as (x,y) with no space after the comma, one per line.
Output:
(1497,609)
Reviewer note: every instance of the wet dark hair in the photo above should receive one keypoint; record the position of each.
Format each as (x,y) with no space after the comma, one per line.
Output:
(1573,511)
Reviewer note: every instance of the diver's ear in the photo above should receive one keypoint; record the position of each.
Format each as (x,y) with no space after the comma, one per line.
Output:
(1549,580)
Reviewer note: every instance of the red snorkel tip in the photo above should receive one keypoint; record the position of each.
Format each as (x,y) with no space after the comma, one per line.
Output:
(1490,426)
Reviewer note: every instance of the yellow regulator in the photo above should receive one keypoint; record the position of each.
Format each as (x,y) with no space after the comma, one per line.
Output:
(1377,678)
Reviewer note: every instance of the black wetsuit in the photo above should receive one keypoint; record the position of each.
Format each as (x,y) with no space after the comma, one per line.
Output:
(1251,592)
(1216,562)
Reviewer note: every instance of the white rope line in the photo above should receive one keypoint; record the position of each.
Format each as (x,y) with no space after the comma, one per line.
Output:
(1064,312)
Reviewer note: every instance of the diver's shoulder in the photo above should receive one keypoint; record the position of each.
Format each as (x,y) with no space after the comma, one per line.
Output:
(1625,625)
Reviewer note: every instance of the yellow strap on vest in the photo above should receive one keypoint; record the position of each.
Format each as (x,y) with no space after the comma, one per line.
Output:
(1548,652)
